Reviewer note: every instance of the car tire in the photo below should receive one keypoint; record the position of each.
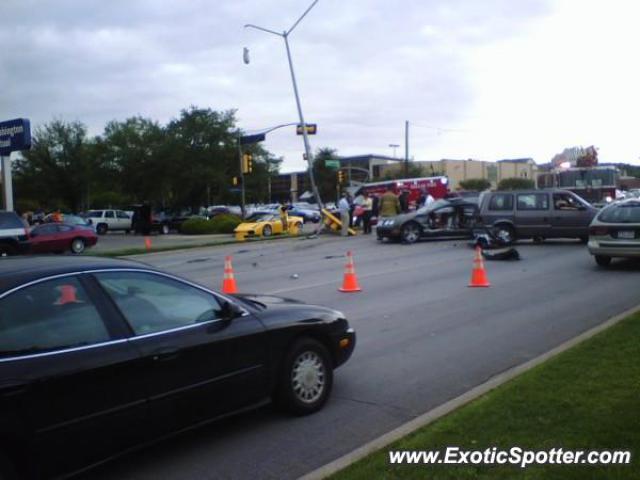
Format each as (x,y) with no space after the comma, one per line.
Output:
(299,226)
(7,250)
(102,228)
(584,239)
(603,260)
(127,232)
(77,245)
(267,231)
(505,233)
(164,229)
(410,233)
(306,377)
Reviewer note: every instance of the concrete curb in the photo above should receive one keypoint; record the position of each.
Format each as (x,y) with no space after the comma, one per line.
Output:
(442,410)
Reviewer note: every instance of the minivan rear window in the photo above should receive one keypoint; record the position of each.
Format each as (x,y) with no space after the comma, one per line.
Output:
(501,201)
(621,213)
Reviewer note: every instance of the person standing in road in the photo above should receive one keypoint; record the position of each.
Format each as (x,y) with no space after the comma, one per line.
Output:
(345,212)
(389,204)
(367,207)
(284,217)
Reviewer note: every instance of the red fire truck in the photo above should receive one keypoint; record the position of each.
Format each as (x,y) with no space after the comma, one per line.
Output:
(597,185)
(438,187)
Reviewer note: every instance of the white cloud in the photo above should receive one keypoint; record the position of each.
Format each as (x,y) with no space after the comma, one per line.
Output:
(485,80)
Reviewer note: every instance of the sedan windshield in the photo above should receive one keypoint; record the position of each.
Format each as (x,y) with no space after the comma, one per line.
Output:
(628,212)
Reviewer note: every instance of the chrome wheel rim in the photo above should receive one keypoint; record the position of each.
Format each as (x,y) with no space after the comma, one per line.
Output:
(266,231)
(308,377)
(410,234)
(77,246)
(504,235)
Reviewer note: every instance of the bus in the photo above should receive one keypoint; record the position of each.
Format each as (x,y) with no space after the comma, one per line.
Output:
(596,185)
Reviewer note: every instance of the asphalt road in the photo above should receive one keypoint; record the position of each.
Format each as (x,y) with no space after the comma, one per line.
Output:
(423,338)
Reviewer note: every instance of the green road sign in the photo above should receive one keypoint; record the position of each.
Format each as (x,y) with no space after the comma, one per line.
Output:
(335,164)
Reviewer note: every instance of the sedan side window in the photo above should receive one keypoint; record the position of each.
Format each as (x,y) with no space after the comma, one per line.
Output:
(153,303)
(47,316)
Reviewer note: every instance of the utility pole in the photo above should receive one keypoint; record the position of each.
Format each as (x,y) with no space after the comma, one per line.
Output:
(285,36)
(241,174)
(406,148)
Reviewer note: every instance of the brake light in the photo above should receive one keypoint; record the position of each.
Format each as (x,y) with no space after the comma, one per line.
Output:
(598,231)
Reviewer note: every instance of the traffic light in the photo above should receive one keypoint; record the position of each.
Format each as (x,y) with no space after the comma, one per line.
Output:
(247,162)
(340,176)
(234,181)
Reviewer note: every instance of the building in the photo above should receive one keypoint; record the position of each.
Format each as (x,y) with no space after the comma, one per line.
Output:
(370,167)
(357,168)
(460,170)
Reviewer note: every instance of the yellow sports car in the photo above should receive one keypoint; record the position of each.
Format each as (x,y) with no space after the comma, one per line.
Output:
(265,225)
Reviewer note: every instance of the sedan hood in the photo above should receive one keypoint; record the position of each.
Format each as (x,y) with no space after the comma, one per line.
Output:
(266,299)
(403,217)
(274,310)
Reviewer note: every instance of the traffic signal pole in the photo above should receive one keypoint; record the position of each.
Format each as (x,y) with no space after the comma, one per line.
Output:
(242,204)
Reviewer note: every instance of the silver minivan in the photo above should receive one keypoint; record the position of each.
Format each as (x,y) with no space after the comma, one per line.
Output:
(536,214)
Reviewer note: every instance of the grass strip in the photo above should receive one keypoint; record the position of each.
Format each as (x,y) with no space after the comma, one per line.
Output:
(587,398)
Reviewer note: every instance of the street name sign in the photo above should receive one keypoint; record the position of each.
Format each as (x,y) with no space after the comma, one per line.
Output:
(15,135)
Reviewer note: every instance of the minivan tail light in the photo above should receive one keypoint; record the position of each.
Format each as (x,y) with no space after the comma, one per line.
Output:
(598,231)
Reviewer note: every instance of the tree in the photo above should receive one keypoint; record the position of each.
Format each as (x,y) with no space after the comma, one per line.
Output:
(326,178)
(516,184)
(60,168)
(134,167)
(475,184)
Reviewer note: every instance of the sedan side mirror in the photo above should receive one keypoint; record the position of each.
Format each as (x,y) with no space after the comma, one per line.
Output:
(229,311)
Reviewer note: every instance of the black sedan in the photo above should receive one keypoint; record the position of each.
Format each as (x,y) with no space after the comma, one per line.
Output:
(450,218)
(98,356)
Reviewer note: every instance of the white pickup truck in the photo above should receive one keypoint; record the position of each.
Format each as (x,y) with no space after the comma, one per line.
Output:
(105,220)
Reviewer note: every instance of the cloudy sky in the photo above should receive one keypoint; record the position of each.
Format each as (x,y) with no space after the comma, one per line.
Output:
(485,80)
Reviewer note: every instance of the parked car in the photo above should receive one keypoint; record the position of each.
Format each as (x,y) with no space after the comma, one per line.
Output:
(100,355)
(537,214)
(450,218)
(61,237)
(13,234)
(615,232)
(106,220)
(307,214)
(70,219)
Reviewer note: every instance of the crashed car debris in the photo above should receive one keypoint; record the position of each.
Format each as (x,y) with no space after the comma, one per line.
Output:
(446,218)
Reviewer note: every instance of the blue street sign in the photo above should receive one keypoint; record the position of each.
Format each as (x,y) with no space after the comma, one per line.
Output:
(15,135)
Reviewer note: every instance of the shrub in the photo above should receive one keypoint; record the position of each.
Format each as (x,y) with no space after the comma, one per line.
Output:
(516,184)
(226,223)
(475,184)
(202,226)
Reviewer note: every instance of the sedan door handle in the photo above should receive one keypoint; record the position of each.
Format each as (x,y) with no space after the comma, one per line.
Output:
(166,354)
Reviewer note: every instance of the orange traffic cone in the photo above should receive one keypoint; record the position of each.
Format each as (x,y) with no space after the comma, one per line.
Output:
(147,243)
(350,282)
(478,274)
(229,281)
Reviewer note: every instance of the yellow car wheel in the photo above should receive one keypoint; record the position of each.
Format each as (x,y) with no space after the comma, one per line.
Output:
(267,231)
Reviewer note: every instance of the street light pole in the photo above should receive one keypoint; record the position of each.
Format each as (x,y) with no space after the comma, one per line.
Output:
(307,147)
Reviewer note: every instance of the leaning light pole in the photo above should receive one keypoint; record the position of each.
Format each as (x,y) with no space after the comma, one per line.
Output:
(307,148)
